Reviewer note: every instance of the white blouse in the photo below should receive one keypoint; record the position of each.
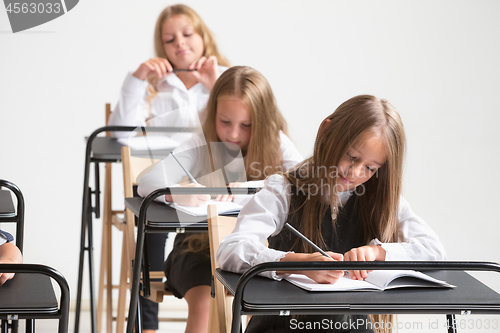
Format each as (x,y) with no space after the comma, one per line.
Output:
(267,212)
(173,106)
(168,173)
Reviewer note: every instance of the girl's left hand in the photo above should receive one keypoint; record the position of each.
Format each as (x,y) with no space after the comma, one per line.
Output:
(364,253)
(229,197)
(207,71)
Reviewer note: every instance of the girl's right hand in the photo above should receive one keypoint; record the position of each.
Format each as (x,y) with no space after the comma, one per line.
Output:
(158,67)
(193,200)
(326,276)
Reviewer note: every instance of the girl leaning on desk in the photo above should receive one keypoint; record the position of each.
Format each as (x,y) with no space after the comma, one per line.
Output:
(244,134)
(352,185)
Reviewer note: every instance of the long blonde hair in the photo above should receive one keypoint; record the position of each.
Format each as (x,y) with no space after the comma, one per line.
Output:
(378,204)
(210,46)
(263,154)
(251,87)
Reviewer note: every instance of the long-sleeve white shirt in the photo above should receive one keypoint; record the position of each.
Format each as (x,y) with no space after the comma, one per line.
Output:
(173,106)
(168,173)
(267,212)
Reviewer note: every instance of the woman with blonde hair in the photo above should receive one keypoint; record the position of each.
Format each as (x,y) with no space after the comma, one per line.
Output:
(244,138)
(170,90)
(346,198)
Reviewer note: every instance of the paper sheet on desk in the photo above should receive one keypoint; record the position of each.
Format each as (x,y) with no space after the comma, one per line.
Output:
(153,142)
(222,208)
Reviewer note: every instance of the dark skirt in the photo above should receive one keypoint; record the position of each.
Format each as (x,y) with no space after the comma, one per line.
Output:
(309,324)
(185,270)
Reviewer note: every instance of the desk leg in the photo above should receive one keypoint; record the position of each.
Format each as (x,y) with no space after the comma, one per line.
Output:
(30,326)
(93,313)
(450,318)
(133,311)
(83,240)
(86,235)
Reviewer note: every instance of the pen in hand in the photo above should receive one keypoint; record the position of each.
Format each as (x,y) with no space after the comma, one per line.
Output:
(185,170)
(316,247)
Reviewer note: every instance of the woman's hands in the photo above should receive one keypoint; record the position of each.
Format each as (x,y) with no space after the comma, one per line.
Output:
(326,276)
(364,253)
(192,200)
(205,70)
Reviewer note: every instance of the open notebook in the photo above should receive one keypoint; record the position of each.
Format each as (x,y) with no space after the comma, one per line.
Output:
(153,142)
(223,208)
(377,280)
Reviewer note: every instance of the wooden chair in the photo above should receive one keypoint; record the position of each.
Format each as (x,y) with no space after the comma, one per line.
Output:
(110,217)
(133,169)
(221,305)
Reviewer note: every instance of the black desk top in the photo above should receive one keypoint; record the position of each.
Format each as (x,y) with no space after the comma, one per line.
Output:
(28,293)
(109,149)
(469,295)
(6,205)
(164,217)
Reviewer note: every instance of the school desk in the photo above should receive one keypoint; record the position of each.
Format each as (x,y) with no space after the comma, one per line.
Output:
(155,217)
(102,150)
(256,295)
(29,295)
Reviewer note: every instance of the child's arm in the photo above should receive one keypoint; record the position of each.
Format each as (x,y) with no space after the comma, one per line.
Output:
(9,253)
(131,109)
(168,173)
(417,241)
(263,216)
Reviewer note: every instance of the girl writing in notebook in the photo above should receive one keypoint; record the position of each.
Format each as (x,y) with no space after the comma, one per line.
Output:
(244,137)
(346,198)
(172,88)
(160,93)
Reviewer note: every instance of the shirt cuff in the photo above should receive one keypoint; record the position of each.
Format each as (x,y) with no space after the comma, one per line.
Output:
(270,255)
(393,251)
(133,85)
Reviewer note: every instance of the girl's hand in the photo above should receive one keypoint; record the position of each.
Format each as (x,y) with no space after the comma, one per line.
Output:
(207,71)
(326,276)
(158,67)
(364,253)
(192,200)
(229,197)
(5,276)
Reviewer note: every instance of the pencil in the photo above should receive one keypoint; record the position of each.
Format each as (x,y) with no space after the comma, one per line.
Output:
(187,172)
(183,70)
(295,231)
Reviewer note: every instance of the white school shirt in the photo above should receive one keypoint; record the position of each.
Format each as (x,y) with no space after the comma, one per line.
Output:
(168,173)
(173,106)
(267,212)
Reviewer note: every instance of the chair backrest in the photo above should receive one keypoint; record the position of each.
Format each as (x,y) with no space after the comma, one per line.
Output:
(218,228)
(133,169)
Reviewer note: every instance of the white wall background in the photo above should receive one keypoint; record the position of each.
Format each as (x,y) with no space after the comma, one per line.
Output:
(437,62)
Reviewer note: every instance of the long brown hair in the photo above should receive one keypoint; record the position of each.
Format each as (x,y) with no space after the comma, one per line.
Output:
(263,154)
(378,203)
(210,46)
